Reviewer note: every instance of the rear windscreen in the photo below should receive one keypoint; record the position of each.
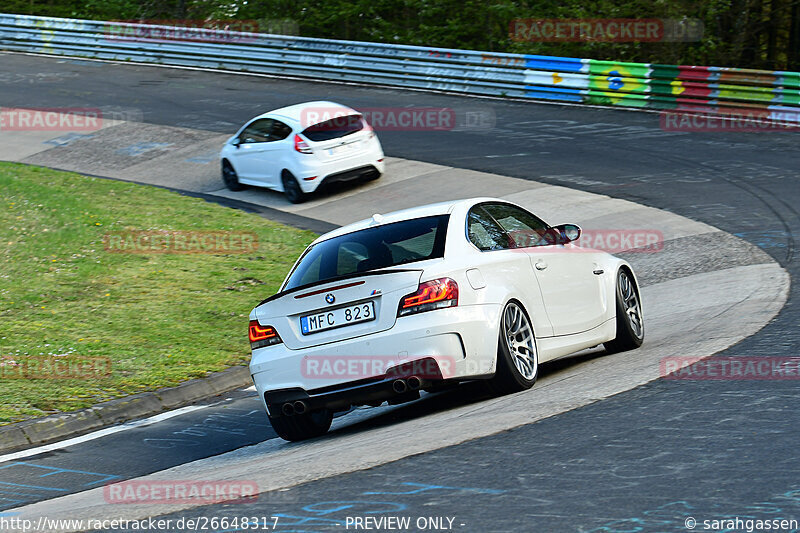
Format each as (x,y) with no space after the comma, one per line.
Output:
(383,246)
(334,128)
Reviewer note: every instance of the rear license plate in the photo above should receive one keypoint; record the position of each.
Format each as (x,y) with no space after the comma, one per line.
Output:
(343,316)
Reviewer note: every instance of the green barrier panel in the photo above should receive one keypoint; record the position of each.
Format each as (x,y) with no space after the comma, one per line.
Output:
(743,92)
(790,98)
(664,72)
(616,99)
(790,79)
(672,88)
(614,83)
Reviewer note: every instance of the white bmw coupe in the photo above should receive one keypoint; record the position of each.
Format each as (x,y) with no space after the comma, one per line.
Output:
(425,297)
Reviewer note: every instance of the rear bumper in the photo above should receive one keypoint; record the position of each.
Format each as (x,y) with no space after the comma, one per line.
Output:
(460,342)
(366,171)
(394,386)
(344,169)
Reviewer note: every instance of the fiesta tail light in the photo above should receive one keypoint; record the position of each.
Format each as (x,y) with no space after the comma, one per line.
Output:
(430,295)
(261,336)
(301,146)
(367,128)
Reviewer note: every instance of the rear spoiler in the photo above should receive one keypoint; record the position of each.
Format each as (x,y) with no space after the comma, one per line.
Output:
(335,279)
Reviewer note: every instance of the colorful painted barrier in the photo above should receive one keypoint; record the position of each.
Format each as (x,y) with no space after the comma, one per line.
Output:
(561,79)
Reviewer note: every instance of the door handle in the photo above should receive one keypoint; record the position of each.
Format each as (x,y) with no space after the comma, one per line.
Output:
(541,265)
(598,271)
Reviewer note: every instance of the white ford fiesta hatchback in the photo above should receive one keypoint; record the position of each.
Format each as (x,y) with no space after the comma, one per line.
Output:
(472,289)
(296,149)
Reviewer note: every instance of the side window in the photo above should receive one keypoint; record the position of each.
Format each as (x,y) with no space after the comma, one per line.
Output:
(279,131)
(256,132)
(522,227)
(484,232)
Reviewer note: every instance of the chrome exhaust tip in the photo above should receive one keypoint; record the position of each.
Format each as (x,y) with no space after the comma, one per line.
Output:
(300,407)
(399,386)
(414,383)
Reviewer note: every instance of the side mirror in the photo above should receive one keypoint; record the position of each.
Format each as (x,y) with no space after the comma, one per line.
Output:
(236,142)
(566,233)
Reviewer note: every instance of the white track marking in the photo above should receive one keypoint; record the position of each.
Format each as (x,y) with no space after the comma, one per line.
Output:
(102,433)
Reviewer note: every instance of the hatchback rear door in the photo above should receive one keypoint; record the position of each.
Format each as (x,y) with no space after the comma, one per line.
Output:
(339,138)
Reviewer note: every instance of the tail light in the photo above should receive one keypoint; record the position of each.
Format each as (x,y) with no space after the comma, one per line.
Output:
(261,336)
(435,294)
(369,130)
(301,146)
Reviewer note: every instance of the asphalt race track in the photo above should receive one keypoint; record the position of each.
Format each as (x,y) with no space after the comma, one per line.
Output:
(641,460)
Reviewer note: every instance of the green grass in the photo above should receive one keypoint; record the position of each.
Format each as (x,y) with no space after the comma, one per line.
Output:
(159,318)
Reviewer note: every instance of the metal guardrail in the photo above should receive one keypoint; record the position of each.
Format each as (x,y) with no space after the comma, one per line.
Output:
(771,94)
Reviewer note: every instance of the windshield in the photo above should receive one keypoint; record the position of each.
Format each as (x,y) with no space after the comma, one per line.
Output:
(334,128)
(383,246)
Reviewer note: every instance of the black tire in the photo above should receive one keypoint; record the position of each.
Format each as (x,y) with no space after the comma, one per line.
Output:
(230,177)
(508,377)
(630,323)
(302,427)
(291,188)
